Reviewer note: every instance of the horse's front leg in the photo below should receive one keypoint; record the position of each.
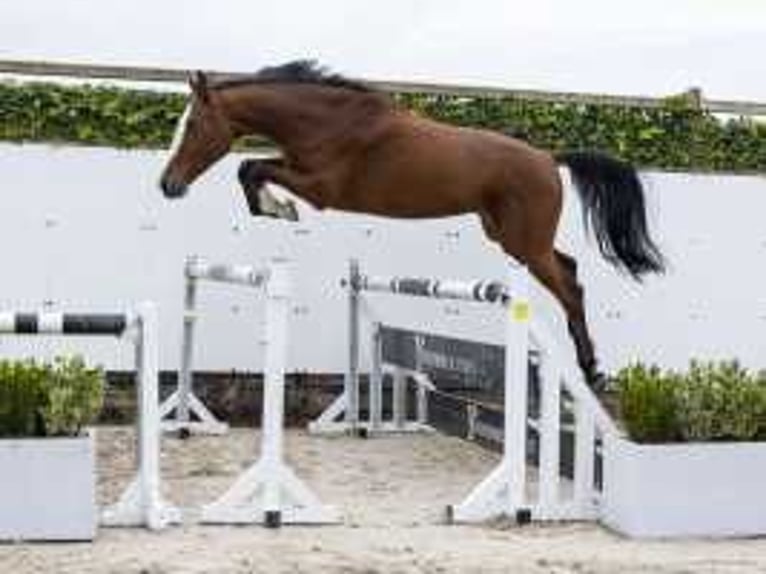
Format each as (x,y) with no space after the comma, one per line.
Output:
(253,176)
(309,186)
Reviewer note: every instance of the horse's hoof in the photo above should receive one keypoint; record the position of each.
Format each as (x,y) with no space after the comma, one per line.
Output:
(252,196)
(598,382)
(249,171)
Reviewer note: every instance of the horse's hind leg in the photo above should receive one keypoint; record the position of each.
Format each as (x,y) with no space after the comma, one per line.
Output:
(558,272)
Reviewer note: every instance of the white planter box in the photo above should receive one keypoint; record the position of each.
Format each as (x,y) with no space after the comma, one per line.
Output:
(48,489)
(702,489)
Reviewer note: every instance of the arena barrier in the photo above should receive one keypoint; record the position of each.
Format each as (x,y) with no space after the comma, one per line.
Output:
(522,487)
(141,503)
(268,492)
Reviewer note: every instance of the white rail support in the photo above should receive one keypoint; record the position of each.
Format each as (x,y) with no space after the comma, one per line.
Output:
(269,492)
(183,411)
(142,504)
(550,438)
(508,490)
(503,491)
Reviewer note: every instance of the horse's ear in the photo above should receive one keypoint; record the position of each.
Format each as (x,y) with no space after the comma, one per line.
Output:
(198,84)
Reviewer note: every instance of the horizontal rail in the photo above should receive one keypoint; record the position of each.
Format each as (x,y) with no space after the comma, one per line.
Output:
(63,323)
(479,291)
(177,75)
(240,274)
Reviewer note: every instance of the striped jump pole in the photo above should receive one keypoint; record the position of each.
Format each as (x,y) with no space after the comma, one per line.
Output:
(183,411)
(141,503)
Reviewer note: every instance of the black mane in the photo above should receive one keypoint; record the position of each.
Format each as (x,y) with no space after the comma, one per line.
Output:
(296,72)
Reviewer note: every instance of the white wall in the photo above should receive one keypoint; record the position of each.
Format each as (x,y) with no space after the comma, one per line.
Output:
(88,229)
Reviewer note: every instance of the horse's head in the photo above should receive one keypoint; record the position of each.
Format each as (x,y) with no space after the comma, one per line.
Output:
(203,136)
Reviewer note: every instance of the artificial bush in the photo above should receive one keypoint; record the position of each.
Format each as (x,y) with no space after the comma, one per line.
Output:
(710,402)
(54,399)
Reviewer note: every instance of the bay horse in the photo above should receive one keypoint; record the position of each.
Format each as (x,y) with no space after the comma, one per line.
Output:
(348,146)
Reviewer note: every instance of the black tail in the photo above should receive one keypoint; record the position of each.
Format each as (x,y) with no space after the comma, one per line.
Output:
(613,206)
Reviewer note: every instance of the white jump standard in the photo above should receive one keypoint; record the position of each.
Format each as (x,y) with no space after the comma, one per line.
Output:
(183,411)
(502,492)
(507,490)
(347,404)
(268,492)
(141,503)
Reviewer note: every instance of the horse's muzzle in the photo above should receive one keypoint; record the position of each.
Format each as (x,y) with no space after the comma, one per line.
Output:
(172,189)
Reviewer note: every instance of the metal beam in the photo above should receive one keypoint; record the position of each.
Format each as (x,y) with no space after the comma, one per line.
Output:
(177,75)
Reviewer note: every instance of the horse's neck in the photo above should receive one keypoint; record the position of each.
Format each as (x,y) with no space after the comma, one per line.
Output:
(293,116)
(283,114)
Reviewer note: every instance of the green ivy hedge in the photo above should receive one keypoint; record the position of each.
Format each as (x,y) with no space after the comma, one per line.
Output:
(676,136)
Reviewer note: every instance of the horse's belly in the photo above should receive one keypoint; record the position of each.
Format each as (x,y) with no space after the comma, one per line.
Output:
(412,204)
(412,193)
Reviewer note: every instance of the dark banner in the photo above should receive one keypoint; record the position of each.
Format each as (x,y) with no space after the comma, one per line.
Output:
(451,363)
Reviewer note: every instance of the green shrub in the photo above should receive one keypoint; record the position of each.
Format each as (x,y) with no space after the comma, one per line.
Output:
(710,402)
(22,398)
(647,404)
(56,399)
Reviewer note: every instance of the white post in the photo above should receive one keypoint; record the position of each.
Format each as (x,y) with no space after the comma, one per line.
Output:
(585,450)
(398,398)
(277,308)
(187,348)
(376,380)
(148,409)
(550,432)
(502,492)
(516,387)
(141,504)
(422,404)
(352,376)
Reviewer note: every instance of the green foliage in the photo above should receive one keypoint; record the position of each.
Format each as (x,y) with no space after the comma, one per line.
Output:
(721,401)
(711,402)
(675,136)
(90,115)
(55,399)
(648,404)
(22,398)
(75,394)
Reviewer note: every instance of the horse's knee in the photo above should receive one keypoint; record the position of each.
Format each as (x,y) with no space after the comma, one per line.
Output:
(250,173)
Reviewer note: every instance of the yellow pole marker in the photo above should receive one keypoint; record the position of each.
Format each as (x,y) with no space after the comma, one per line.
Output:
(521,311)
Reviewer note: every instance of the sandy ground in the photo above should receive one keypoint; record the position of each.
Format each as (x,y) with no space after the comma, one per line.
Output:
(392,492)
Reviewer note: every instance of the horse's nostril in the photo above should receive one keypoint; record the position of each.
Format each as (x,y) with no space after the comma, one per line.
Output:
(172,189)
